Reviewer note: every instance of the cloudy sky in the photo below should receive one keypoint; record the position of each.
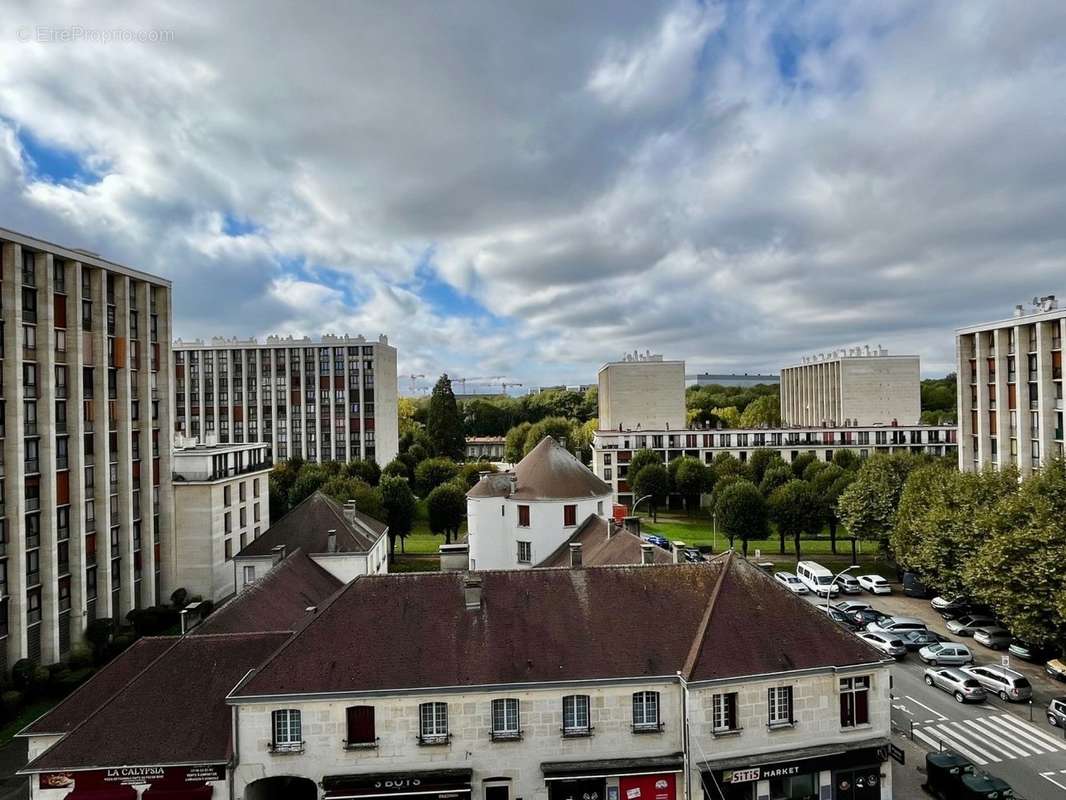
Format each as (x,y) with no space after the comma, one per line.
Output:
(530,188)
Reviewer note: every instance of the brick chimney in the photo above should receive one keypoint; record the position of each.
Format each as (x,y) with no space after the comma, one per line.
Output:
(679,547)
(647,553)
(472,592)
(279,553)
(575,554)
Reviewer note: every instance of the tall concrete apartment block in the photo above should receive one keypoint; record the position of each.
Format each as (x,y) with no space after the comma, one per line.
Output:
(642,390)
(852,387)
(87,495)
(1010,389)
(333,399)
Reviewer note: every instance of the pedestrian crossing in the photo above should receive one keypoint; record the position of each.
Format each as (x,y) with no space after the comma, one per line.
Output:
(990,739)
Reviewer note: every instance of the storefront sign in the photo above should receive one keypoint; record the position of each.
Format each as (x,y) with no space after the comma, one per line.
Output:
(444,784)
(648,787)
(133,776)
(762,773)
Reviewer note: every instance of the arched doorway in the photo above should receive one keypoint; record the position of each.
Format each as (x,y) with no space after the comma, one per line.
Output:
(281,787)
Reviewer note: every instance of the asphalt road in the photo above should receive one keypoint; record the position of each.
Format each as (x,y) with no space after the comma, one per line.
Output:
(997,736)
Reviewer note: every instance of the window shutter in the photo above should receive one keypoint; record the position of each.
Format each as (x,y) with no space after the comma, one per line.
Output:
(360,724)
(862,713)
(845,716)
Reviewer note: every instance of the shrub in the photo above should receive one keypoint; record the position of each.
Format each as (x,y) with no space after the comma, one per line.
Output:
(98,633)
(179,597)
(22,674)
(80,657)
(11,702)
(39,681)
(432,472)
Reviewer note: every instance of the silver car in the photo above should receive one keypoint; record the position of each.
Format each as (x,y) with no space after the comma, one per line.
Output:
(942,653)
(850,606)
(896,625)
(887,643)
(993,637)
(967,624)
(1008,684)
(961,686)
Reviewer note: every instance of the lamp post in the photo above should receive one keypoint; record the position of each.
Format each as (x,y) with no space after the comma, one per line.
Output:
(714,528)
(829,591)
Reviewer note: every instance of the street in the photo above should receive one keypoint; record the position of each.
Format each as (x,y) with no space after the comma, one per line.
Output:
(1010,740)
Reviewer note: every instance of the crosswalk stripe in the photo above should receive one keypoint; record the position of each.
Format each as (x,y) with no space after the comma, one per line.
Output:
(1011,749)
(935,745)
(1022,738)
(967,748)
(1033,733)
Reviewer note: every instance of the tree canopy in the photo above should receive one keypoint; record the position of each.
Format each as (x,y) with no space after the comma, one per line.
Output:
(444,426)
(741,512)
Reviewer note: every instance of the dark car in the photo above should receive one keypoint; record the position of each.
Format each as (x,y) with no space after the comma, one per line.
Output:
(1028,651)
(1056,668)
(913,587)
(692,555)
(950,607)
(841,618)
(943,773)
(864,616)
(916,640)
(658,541)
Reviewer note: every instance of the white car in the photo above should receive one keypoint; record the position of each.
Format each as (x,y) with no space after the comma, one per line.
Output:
(874,584)
(791,582)
(886,642)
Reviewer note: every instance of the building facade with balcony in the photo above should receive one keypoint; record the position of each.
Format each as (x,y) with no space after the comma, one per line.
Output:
(1010,389)
(87,500)
(221,504)
(331,399)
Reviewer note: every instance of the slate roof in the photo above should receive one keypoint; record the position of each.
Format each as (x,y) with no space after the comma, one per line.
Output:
(278,601)
(726,618)
(307,526)
(172,712)
(599,550)
(548,472)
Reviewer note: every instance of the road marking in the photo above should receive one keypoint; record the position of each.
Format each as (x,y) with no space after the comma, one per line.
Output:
(939,716)
(985,729)
(967,748)
(1047,776)
(936,744)
(1033,733)
(902,708)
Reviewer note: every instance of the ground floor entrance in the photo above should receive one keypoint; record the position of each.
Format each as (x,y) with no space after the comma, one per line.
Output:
(440,784)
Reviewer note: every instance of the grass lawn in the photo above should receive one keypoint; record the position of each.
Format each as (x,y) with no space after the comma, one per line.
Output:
(420,540)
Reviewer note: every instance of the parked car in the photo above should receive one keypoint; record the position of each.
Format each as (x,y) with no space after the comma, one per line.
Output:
(1005,682)
(1056,668)
(994,637)
(658,541)
(966,625)
(940,602)
(885,642)
(840,618)
(850,606)
(946,653)
(916,640)
(791,582)
(897,625)
(913,587)
(817,578)
(944,773)
(955,607)
(692,555)
(849,584)
(874,584)
(1027,651)
(1056,712)
(864,616)
(964,688)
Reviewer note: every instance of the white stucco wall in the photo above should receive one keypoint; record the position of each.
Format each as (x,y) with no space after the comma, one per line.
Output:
(650,394)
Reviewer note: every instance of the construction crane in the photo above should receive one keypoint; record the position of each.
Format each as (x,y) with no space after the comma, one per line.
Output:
(505,384)
(414,386)
(464,381)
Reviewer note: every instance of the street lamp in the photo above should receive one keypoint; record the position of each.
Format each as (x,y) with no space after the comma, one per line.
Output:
(829,591)
(633,510)
(714,528)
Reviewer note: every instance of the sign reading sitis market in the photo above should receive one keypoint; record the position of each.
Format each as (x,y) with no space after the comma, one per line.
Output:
(760,773)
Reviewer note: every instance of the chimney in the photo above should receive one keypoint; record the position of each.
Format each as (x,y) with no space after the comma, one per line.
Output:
(279,553)
(472,592)
(483,474)
(612,528)
(679,548)
(331,540)
(646,550)
(514,482)
(575,554)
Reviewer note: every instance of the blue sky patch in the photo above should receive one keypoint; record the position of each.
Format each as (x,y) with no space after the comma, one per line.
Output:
(54,164)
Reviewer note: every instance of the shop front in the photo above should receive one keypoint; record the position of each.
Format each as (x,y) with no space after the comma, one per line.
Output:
(440,784)
(653,778)
(195,782)
(839,773)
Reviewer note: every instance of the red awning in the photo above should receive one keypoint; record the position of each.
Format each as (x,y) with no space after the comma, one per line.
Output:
(105,793)
(160,792)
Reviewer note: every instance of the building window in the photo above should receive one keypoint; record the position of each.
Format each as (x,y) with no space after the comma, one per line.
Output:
(227,495)
(525,552)
(229,549)
(854,701)
(433,722)
(255,487)
(724,713)
(523,516)
(569,516)
(360,724)
(576,715)
(646,711)
(249,575)
(287,733)
(505,718)
(779,701)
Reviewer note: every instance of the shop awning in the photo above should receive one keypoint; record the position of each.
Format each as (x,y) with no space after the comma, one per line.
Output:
(610,767)
(160,792)
(104,793)
(441,783)
(801,754)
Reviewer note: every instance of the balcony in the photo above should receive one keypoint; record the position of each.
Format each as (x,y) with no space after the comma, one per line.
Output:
(60,356)
(32,466)
(33,579)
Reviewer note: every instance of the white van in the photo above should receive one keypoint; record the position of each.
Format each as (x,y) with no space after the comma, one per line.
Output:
(817,578)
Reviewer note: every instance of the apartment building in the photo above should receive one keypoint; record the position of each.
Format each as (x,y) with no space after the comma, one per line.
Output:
(86,510)
(851,387)
(1010,389)
(331,399)
(642,390)
(221,504)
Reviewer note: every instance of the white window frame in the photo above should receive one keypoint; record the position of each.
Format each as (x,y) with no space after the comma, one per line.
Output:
(779,706)
(248,574)
(853,686)
(527,547)
(720,705)
(287,729)
(433,722)
(576,715)
(505,718)
(646,711)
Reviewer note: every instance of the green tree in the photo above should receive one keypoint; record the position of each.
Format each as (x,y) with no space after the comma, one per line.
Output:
(796,510)
(444,426)
(397,467)
(342,488)
(641,459)
(515,442)
(470,473)
(432,472)
(761,459)
(847,459)
(829,484)
(868,506)
(728,464)
(559,428)
(762,412)
(446,506)
(801,462)
(652,480)
(311,478)
(365,469)
(486,417)
(741,512)
(399,506)
(692,478)
(774,478)
(729,416)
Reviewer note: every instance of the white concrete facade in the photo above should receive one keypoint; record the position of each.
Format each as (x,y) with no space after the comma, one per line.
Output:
(643,392)
(86,499)
(332,398)
(850,388)
(222,502)
(1010,390)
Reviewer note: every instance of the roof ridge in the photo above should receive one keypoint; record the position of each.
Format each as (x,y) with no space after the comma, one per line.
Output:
(701,632)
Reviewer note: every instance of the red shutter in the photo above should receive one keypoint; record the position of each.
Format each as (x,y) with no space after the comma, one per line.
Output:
(62,488)
(360,724)
(862,710)
(569,515)
(60,306)
(523,516)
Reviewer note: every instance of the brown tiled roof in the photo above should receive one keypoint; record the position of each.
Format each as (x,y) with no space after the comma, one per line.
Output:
(548,472)
(278,601)
(307,526)
(547,625)
(173,712)
(100,688)
(597,550)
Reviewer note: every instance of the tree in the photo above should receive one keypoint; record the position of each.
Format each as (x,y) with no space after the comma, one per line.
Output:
(728,416)
(652,480)
(432,472)
(801,462)
(444,426)
(868,506)
(486,417)
(398,504)
(828,484)
(813,469)
(446,506)
(847,459)
(470,473)
(774,478)
(310,480)
(691,479)
(559,428)
(741,513)
(763,412)
(365,469)
(641,459)
(515,442)
(762,458)
(397,467)
(797,510)
(342,489)
(406,410)
(729,464)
